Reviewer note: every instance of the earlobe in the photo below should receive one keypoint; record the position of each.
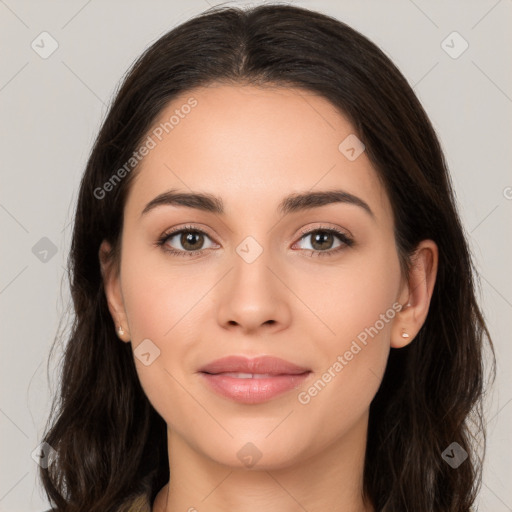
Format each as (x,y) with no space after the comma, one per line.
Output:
(401,333)
(416,293)
(113,294)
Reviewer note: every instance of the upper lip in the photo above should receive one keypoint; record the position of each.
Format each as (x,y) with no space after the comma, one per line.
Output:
(263,364)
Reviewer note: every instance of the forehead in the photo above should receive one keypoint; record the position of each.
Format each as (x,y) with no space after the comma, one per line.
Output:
(252,146)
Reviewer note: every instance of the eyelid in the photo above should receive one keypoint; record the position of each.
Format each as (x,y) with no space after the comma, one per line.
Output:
(325,227)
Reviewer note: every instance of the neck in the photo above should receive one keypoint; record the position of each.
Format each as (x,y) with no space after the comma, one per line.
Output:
(329,480)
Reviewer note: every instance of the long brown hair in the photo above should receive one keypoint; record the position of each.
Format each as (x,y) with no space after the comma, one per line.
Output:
(110,443)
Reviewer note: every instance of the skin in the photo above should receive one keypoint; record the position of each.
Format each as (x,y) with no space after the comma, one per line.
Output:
(251,146)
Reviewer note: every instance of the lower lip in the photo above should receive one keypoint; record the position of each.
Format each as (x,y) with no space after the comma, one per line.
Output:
(253,391)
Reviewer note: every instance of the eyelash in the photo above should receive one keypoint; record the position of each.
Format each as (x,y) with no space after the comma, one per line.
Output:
(348,242)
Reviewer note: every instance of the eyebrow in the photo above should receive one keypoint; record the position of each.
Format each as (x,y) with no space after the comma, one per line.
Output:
(290,204)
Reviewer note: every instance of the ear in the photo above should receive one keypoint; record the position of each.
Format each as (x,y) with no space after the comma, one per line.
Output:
(415,294)
(112,286)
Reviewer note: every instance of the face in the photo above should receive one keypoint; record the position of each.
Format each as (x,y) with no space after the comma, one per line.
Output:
(315,283)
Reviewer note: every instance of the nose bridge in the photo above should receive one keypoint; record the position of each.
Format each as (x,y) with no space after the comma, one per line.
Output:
(252,295)
(252,279)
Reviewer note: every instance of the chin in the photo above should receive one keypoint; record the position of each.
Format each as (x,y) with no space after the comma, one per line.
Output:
(257,452)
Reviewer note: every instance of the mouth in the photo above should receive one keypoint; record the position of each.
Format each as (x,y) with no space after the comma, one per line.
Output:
(252,381)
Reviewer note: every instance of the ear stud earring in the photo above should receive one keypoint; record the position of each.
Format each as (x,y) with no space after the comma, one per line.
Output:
(404,334)
(120,331)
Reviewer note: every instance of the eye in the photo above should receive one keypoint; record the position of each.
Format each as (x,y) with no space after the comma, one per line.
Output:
(191,240)
(322,240)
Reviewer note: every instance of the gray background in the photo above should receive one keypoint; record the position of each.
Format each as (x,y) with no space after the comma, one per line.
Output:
(51,109)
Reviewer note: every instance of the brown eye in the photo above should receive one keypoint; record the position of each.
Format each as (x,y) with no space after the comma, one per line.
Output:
(184,242)
(323,241)
(191,240)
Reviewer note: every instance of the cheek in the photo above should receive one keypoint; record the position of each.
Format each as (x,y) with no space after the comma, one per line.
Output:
(359,307)
(163,306)
(354,295)
(340,394)
(160,298)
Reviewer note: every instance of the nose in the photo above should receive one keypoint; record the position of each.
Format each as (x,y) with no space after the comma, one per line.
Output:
(254,296)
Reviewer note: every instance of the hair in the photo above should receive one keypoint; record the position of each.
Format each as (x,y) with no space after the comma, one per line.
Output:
(109,441)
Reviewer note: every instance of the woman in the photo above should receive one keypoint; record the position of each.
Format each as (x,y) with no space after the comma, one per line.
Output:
(215,362)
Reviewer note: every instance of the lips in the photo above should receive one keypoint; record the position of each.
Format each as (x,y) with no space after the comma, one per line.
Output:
(258,365)
(252,381)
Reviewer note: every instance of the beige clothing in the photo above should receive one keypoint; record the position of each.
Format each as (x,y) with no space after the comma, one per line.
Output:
(138,504)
